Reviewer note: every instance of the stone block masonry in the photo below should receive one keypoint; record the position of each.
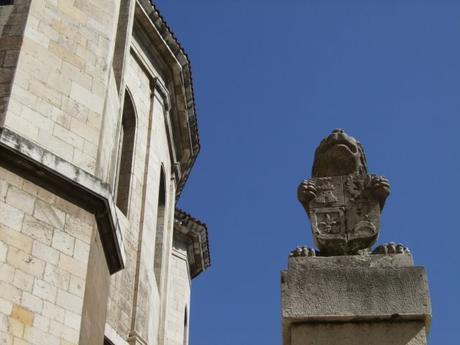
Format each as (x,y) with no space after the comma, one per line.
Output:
(346,293)
(179,297)
(44,250)
(12,23)
(64,101)
(378,299)
(61,75)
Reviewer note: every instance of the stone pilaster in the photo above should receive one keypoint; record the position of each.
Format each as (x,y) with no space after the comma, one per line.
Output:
(352,300)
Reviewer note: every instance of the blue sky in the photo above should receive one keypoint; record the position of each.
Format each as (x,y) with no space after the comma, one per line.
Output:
(271,79)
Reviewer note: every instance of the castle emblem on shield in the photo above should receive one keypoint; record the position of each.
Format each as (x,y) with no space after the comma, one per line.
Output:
(343,201)
(342,214)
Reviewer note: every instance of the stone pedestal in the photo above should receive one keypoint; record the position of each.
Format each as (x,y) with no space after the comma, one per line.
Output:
(353,300)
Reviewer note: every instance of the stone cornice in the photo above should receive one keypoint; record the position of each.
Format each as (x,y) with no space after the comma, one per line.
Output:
(157,86)
(185,118)
(73,184)
(196,234)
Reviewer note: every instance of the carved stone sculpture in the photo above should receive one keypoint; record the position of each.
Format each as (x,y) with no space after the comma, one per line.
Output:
(343,201)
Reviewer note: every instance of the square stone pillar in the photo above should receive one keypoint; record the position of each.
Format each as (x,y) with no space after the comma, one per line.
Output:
(354,300)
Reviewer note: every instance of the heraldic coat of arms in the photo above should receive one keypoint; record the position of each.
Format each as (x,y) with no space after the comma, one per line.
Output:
(342,200)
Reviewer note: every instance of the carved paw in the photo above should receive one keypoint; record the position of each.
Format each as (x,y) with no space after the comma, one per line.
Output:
(364,252)
(306,192)
(379,186)
(391,248)
(302,251)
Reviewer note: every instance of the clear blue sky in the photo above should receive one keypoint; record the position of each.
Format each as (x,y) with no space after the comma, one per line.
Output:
(271,79)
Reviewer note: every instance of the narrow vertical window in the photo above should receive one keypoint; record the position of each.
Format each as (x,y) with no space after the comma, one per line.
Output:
(126,154)
(159,237)
(185,341)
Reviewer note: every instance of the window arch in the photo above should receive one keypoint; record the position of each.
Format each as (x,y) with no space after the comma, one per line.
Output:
(126,153)
(160,228)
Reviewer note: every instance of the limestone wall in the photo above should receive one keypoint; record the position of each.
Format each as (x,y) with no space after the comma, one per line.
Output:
(108,143)
(144,299)
(58,90)
(178,298)
(12,23)
(61,80)
(44,249)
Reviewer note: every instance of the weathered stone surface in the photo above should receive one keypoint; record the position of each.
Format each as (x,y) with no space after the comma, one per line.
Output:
(359,287)
(355,333)
(342,200)
(350,262)
(38,297)
(344,290)
(69,181)
(66,68)
(391,248)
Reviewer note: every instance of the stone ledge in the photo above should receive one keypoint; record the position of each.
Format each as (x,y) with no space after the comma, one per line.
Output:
(352,333)
(112,335)
(351,261)
(55,174)
(316,289)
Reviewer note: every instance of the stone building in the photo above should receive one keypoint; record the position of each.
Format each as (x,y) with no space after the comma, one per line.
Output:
(98,135)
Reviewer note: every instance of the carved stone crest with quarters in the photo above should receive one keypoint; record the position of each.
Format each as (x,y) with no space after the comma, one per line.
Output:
(343,219)
(342,200)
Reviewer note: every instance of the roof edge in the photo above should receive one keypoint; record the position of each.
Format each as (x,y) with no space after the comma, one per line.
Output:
(197,233)
(181,56)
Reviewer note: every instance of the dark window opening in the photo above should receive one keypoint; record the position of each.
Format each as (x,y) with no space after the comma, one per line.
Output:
(185,326)
(159,236)
(126,154)
(6,2)
(107,341)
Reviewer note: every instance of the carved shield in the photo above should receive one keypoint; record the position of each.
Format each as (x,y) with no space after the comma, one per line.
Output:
(344,217)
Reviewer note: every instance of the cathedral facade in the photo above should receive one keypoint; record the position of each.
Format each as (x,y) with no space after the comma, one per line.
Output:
(98,135)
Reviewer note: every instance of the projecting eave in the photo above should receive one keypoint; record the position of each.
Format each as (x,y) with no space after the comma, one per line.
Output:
(195,234)
(71,183)
(184,129)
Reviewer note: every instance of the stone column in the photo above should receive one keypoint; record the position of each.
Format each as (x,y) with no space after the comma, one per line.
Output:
(355,299)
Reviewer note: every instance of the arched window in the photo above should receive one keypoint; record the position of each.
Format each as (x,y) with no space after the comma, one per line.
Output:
(159,236)
(126,154)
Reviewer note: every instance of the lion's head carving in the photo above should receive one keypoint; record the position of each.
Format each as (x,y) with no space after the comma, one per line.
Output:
(339,154)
